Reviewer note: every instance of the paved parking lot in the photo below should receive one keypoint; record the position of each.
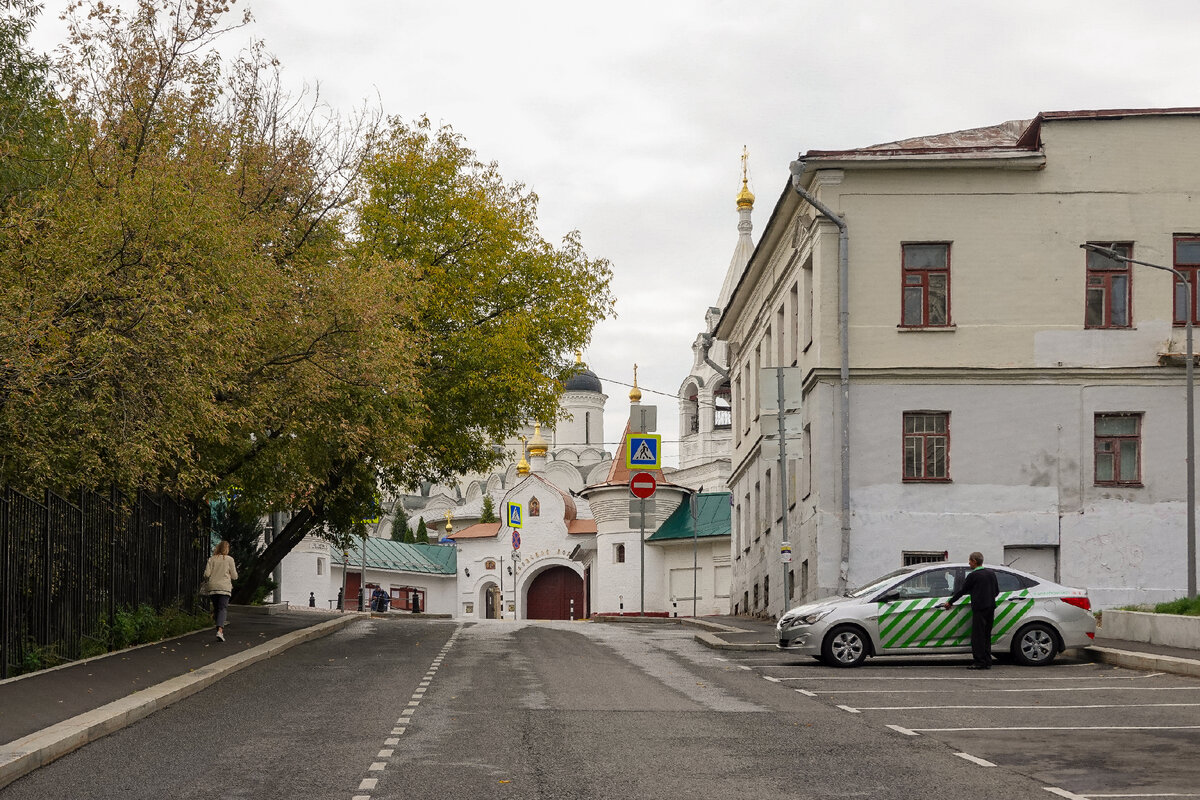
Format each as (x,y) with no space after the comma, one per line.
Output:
(1085,730)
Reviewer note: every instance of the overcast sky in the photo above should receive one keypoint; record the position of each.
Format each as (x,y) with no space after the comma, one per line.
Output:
(628,118)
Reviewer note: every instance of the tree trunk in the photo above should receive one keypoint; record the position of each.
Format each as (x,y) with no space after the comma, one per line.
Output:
(254,574)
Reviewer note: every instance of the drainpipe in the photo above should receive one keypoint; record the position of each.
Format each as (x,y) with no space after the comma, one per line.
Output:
(797,169)
(717,368)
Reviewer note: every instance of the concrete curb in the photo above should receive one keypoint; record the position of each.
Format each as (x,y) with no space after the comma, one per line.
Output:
(22,756)
(717,643)
(1147,661)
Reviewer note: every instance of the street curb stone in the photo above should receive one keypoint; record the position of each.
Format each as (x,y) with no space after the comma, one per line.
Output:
(1147,661)
(22,756)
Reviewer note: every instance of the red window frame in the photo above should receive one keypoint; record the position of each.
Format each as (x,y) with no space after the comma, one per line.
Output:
(1108,299)
(919,279)
(926,447)
(1111,447)
(1186,257)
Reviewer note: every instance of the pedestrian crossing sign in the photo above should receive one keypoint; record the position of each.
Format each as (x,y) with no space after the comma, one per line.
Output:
(513,514)
(643,451)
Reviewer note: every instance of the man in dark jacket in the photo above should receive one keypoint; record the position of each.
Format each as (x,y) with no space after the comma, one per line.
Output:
(981,585)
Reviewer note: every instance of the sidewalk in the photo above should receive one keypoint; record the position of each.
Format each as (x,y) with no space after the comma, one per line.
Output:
(752,634)
(44,715)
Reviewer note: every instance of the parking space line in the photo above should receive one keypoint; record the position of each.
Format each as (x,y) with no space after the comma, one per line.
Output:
(851,710)
(978,689)
(1158,794)
(904,731)
(806,692)
(972,679)
(1038,708)
(975,759)
(1063,793)
(1065,728)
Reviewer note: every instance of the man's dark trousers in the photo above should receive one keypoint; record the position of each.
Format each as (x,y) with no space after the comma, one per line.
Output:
(981,634)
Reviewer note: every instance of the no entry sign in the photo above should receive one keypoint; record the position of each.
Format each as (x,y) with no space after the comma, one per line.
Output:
(642,485)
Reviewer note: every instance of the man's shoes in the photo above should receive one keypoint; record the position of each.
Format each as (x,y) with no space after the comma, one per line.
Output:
(220,636)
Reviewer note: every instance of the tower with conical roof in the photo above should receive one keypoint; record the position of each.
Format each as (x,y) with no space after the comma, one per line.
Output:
(705,429)
(579,436)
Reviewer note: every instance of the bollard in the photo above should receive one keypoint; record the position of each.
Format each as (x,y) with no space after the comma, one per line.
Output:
(572,609)
(312,599)
(341,601)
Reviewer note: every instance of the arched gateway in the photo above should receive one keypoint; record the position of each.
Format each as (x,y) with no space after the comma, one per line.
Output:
(551,594)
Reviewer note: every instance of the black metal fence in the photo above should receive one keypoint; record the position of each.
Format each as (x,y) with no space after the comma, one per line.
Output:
(67,565)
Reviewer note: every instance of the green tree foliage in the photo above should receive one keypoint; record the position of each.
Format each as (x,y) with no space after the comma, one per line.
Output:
(31,129)
(488,512)
(400,525)
(422,532)
(245,534)
(225,288)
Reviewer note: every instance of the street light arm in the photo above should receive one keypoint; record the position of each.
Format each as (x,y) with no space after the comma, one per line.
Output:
(1189,404)
(1115,256)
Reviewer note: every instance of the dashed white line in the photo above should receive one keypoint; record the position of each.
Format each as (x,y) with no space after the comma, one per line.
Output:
(975,759)
(1063,793)
(405,719)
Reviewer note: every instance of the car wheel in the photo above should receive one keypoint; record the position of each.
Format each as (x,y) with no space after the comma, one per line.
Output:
(1035,645)
(844,646)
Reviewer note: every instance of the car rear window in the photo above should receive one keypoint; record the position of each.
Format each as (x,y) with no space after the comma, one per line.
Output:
(1012,582)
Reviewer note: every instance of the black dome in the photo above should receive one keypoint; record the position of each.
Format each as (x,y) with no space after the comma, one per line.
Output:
(585,381)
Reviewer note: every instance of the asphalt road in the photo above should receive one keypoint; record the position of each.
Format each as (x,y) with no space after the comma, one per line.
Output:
(438,709)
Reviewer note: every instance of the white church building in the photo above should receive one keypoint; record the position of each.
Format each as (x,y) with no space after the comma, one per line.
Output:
(579,550)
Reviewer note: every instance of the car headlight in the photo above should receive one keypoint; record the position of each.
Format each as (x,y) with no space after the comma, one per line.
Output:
(810,618)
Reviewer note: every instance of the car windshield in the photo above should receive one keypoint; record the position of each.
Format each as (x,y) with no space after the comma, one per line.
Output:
(878,583)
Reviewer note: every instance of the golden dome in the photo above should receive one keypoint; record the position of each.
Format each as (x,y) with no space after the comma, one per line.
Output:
(635,394)
(745,198)
(522,466)
(537,444)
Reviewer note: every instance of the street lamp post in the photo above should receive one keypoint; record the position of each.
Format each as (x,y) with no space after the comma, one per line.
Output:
(1191,425)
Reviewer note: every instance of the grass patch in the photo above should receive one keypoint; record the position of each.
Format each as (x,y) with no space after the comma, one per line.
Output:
(1189,606)
(130,627)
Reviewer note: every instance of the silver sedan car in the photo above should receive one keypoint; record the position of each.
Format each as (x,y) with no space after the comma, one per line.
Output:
(898,614)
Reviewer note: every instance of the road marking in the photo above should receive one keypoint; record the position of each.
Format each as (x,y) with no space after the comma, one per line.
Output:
(943,679)
(1047,708)
(848,708)
(1063,793)
(1068,728)
(1163,794)
(905,731)
(769,678)
(1023,691)
(806,692)
(405,718)
(975,759)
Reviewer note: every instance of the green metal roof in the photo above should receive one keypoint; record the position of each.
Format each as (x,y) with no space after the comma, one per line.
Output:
(439,559)
(712,519)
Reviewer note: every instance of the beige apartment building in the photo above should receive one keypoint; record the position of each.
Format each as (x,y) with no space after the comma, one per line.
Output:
(971,378)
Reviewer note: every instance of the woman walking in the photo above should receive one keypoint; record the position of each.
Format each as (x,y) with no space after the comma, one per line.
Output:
(219,574)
